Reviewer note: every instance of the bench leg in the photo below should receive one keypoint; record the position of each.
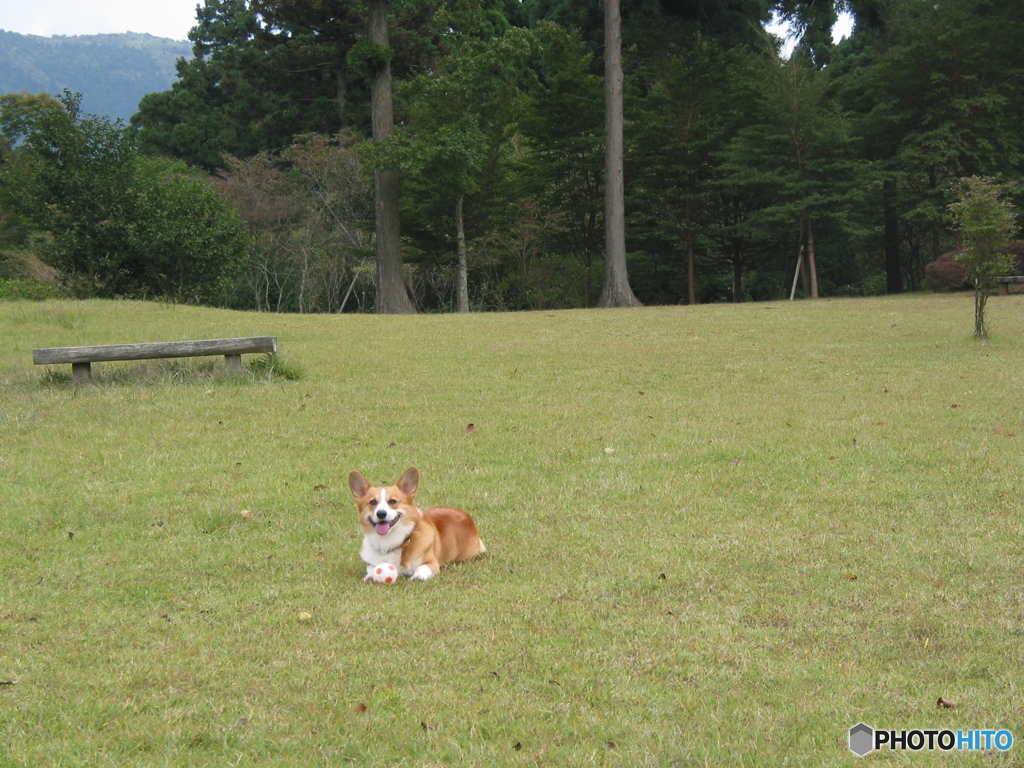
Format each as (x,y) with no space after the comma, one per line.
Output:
(81,373)
(233,363)
(1003,289)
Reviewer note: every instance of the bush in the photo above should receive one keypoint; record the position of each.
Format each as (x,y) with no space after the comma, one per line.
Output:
(28,290)
(946,273)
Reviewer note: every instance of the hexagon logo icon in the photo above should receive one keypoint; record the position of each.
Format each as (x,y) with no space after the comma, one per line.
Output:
(861,739)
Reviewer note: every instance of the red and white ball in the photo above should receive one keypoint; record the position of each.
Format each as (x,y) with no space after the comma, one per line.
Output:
(385,573)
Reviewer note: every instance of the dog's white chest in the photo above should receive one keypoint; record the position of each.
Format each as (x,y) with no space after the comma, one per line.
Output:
(376,551)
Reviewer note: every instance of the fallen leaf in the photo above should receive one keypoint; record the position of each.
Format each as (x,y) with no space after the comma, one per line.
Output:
(319,487)
(945,704)
(611,745)
(393,445)
(517,746)
(470,428)
(851,576)
(955,405)
(360,707)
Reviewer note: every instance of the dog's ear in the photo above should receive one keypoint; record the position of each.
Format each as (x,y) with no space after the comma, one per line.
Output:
(408,482)
(360,485)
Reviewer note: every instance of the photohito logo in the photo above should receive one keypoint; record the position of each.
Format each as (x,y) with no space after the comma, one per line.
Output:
(865,739)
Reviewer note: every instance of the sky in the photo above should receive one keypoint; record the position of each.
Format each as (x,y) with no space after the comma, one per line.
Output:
(162,18)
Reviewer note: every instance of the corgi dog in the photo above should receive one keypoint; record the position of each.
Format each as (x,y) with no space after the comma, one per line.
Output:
(395,531)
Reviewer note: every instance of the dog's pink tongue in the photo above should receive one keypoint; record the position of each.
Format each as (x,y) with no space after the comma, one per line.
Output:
(382,528)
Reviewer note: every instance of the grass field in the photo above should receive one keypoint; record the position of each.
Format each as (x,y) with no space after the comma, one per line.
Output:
(718,535)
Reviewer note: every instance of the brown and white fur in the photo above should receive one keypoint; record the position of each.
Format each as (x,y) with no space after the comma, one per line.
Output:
(416,542)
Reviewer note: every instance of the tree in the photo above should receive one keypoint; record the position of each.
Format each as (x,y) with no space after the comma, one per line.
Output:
(392,296)
(262,72)
(187,242)
(563,134)
(460,122)
(797,151)
(309,214)
(936,88)
(616,291)
(18,114)
(984,221)
(76,180)
(122,225)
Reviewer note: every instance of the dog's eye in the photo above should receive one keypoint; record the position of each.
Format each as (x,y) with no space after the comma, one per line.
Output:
(392,502)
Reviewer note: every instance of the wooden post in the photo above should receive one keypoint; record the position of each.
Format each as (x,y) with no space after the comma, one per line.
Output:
(233,363)
(81,373)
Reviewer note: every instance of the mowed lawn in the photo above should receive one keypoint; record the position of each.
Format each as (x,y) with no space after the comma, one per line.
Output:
(718,535)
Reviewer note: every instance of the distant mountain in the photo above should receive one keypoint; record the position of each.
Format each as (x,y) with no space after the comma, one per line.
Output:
(112,72)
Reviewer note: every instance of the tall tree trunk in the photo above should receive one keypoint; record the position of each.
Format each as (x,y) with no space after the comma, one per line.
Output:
(805,273)
(691,262)
(891,238)
(737,276)
(616,291)
(341,90)
(811,263)
(392,296)
(463,277)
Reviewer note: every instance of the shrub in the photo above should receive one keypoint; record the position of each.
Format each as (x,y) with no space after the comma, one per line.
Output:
(27,290)
(946,273)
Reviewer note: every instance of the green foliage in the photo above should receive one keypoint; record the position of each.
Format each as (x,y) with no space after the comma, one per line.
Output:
(985,222)
(366,57)
(935,90)
(733,155)
(27,289)
(75,181)
(188,242)
(121,224)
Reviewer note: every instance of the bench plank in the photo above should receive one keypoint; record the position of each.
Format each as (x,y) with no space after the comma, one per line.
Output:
(154,351)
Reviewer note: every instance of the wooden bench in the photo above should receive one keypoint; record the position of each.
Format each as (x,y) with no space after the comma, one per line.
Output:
(1003,283)
(81,358)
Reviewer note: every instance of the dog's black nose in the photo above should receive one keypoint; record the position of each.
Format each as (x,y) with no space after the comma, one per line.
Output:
(382,514)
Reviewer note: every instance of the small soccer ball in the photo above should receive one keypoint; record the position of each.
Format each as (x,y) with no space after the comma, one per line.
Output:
(385,573)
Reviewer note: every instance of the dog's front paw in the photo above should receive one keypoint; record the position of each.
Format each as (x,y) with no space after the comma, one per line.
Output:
(422,573)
